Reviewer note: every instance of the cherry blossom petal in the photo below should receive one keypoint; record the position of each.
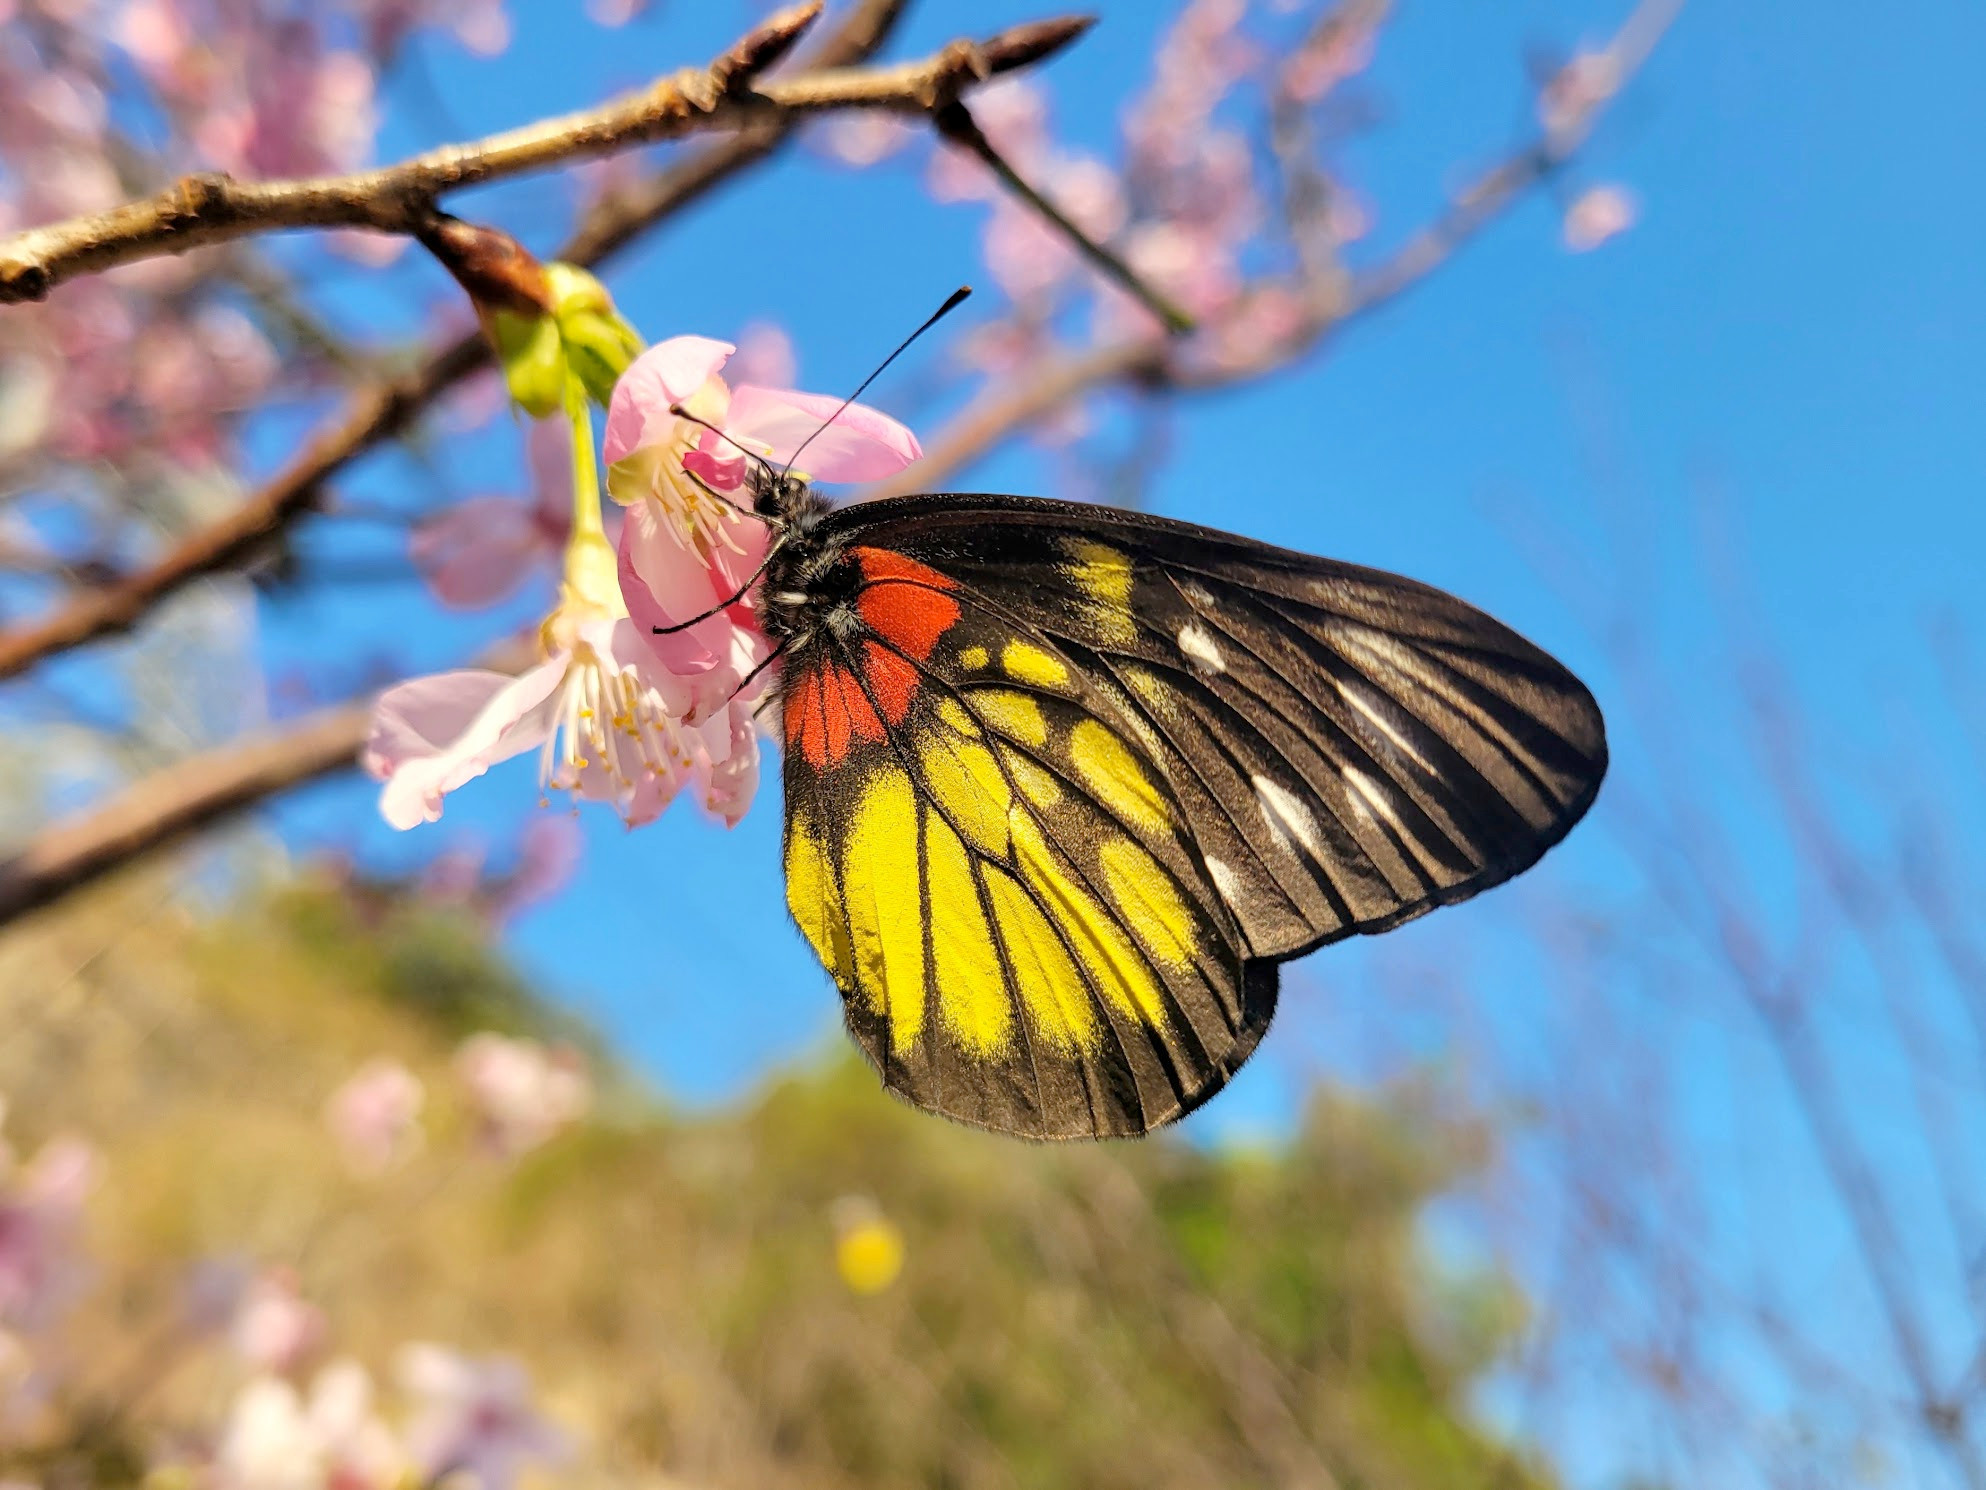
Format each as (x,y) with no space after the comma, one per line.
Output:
(478,551)
(664,581)
(431,735)
(670,372)
(730,773)
(863,444)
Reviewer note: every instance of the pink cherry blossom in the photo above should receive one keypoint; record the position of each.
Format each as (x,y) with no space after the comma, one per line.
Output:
(476,1417)
(689,541)
(523,1091)
(609,723)
(275,1328)
(1598,214)
(41,1214)
(375,1116)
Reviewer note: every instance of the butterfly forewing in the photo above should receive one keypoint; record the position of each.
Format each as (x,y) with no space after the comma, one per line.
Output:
(1066,782)
(1352,748)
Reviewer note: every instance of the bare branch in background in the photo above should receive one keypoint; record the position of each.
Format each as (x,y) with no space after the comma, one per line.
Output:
(956,124)
(207,209)
(1040,390)
(190,794)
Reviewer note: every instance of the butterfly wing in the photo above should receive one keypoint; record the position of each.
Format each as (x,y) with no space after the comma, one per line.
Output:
(1073,780)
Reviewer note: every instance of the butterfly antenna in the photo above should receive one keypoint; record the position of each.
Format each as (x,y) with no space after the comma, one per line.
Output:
(682,413)
(952,303)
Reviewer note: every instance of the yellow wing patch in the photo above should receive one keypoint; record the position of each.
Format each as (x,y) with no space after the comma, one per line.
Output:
(814,898)
(1102,576)
(885,910)
(965,779)
(1029,664)
(973,1004)
(1060,1010)
(1109,769)
(1015,715)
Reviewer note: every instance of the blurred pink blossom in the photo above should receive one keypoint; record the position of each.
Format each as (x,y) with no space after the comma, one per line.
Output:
(275,1439)
(764,355)
(1013,115)
(474,1417)
(615,12)
(1328,58)
(256,92)
(375,1116)
(522,1091)
(861,137)
(1598,214)
(41,1215)
(1194,267)
(480,25)
(548,853)
(274,1327)
(1572,94)
(479,551)
(1026,254)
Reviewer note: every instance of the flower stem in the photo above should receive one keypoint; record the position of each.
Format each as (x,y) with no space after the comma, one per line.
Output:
(591,566)
(586,520)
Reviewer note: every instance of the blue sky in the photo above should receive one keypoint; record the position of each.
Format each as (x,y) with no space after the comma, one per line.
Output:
(1777,376)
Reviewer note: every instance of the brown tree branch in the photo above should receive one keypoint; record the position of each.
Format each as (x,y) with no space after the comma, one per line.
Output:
(167,805)
(384,409)
(211,208)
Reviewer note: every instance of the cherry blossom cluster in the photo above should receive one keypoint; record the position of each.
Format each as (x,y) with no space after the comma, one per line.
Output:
(143,376)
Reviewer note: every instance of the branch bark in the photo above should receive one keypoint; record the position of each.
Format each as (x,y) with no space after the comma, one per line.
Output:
(211,208)
(169,804)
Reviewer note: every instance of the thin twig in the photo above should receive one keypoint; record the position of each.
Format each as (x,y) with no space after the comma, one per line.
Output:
(1045,387)
(956,124)
(212,208)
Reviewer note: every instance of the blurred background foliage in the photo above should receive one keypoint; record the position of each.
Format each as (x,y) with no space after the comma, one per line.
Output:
(819,1288)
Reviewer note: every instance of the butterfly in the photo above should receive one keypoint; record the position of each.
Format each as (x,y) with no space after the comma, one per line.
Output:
(1066,784)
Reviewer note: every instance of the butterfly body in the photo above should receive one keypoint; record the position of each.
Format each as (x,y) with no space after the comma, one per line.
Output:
(1066,784)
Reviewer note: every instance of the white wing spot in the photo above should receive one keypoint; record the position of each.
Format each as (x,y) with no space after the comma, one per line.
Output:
(1199,646)
(1368,797)
(1287,817)
(1357,699)
(1227,882)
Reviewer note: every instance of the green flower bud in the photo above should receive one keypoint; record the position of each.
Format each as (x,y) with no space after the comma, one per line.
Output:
(599,343)
(533,358)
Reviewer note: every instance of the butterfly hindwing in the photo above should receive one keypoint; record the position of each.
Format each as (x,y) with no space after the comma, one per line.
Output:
(1000,880)
(1065,783)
